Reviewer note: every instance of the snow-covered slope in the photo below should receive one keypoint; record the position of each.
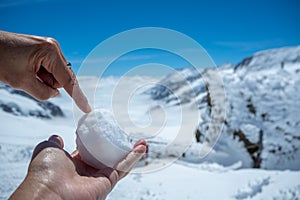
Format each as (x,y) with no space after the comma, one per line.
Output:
(261,96)
(184,181)
(262,106)
(270,58)
(19,103)
(264,98)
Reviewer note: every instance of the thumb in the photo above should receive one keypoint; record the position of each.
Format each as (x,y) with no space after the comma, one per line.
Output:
(39,90)
(126,165)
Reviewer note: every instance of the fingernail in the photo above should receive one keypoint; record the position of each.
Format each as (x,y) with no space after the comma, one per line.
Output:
(140,142)
(57,140)
(140,149)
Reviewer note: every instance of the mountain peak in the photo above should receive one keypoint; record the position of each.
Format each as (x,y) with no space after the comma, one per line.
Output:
(270,58)
(261,113)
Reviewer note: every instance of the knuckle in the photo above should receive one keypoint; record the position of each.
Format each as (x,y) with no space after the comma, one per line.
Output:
(52,41)
(126,166)
(113,178)
(50,44)
(69,80)
(112,175)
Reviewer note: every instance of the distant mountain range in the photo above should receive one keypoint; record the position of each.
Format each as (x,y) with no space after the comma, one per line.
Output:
(262,105)
(262,123)
(19,103)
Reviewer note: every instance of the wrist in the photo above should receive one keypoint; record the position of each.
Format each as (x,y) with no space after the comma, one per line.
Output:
(34,189)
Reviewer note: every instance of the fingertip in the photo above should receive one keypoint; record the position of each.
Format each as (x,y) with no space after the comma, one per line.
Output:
(80,99)
(57,140)
(140,142)
(141,149)
(88,108)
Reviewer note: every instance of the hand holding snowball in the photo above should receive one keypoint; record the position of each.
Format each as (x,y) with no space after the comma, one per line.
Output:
(55,174)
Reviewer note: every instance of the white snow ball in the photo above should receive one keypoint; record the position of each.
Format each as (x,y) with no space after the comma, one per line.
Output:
(100,141)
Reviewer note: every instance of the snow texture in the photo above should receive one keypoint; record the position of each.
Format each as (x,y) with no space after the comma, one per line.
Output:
(262,98)
(97,133)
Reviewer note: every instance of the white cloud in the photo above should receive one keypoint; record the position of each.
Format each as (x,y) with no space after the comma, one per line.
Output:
(250,45)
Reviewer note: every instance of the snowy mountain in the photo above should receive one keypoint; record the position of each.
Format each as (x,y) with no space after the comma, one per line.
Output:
(262,106)
(19,103)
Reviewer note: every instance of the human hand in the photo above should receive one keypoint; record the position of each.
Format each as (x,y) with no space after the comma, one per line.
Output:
(55,174)
(37,65)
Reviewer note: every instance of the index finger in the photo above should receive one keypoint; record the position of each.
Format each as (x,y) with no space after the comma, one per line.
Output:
(64,74)
(66,77)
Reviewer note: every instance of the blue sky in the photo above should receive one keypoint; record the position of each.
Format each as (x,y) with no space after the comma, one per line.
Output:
(228,30)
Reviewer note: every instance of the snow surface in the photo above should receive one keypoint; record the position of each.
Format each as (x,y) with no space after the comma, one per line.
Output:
(223,174)
(182,181)
(96,132)
(262,97)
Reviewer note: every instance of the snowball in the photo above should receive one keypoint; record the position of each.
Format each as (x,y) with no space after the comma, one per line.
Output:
(100,141)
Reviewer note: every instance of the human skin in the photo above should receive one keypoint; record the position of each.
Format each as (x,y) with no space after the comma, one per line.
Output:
(37,65)
(55,174)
